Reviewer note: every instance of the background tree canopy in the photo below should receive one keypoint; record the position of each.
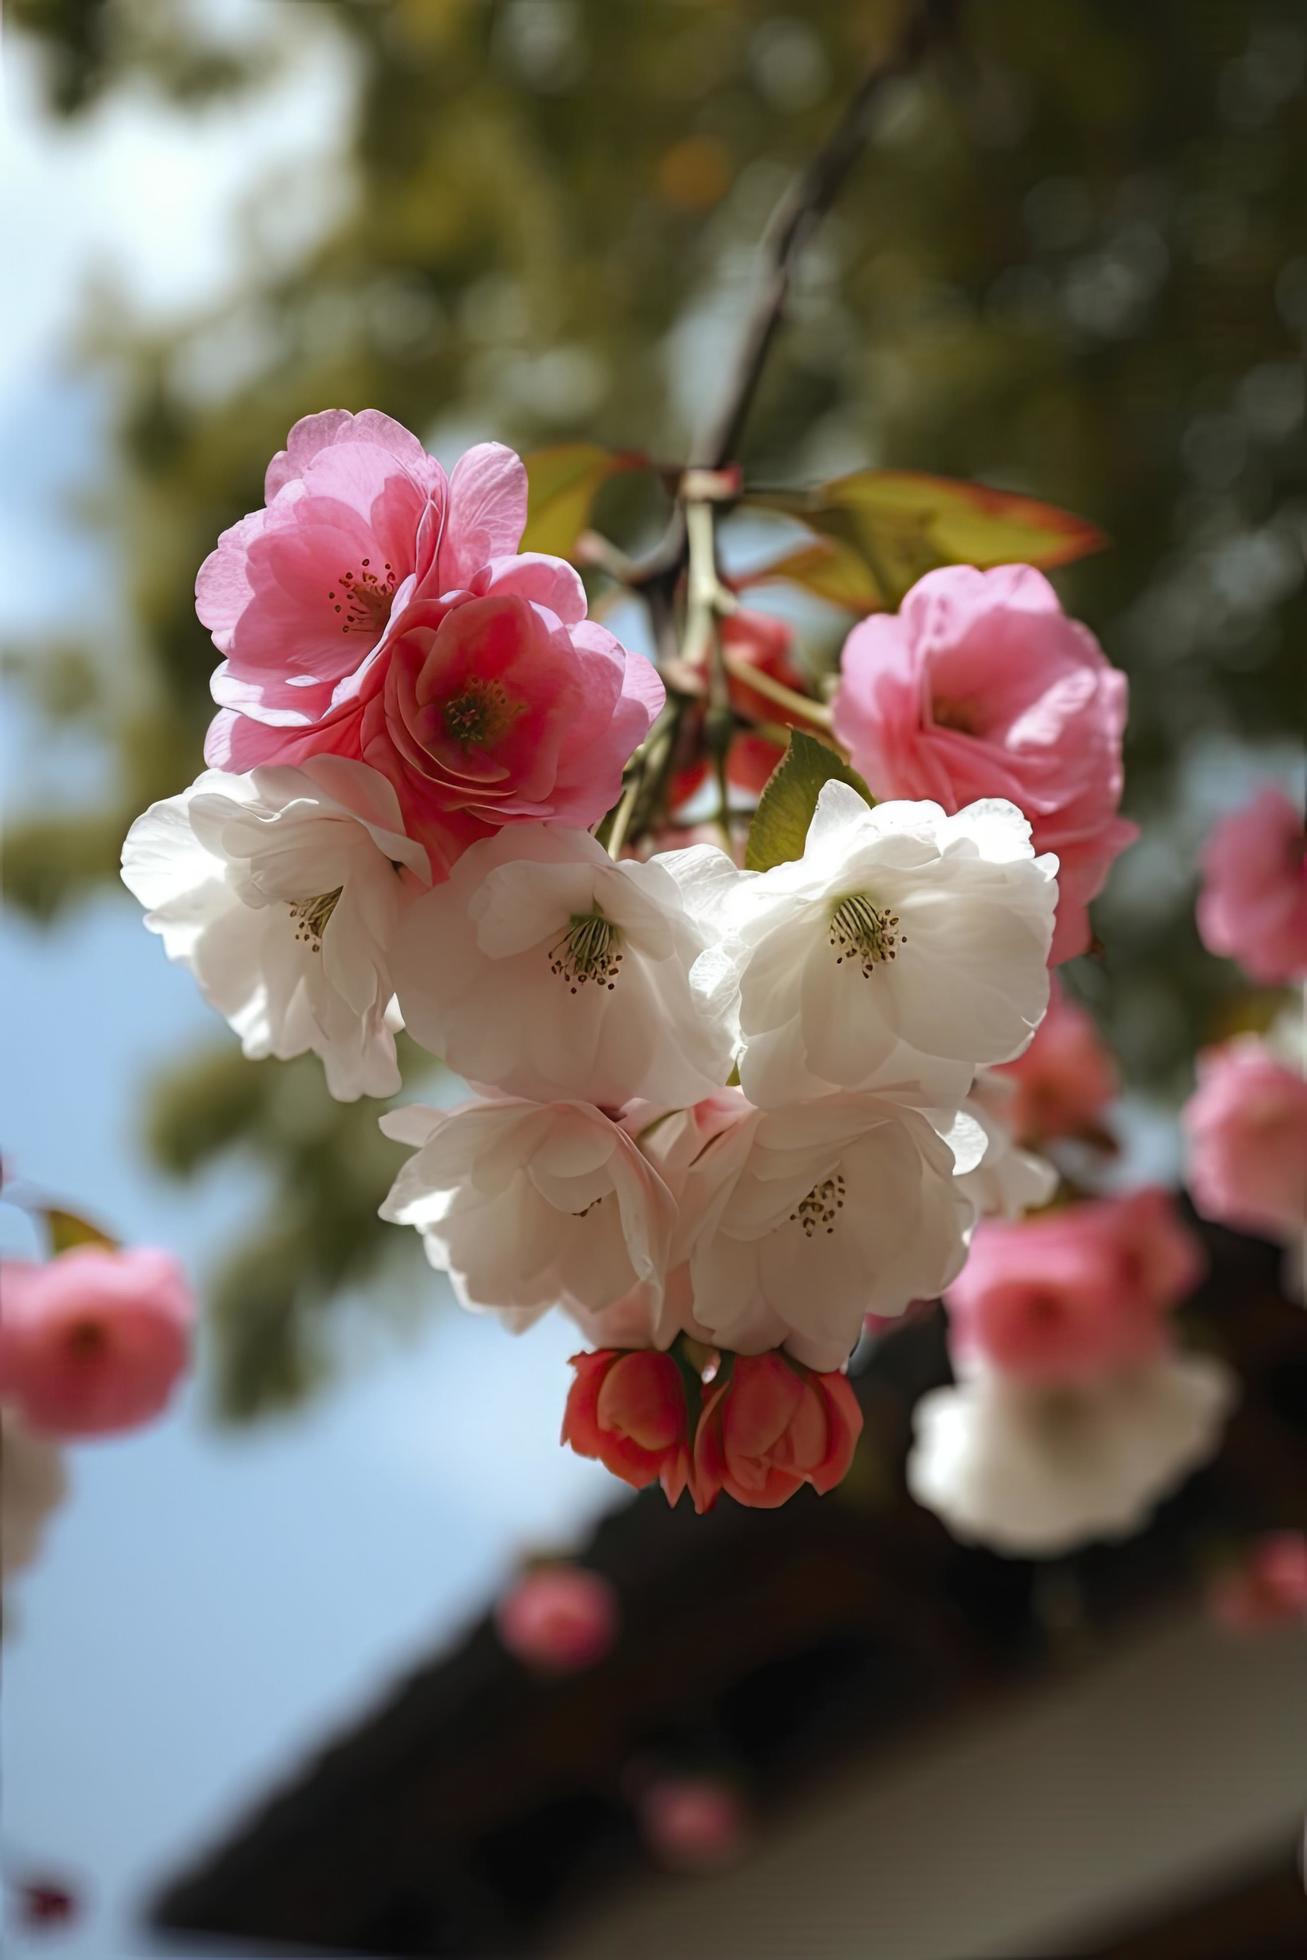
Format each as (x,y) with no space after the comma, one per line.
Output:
(1071,263)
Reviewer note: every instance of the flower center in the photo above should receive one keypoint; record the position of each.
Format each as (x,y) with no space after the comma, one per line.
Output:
(480,713)
(862,933)
(590,949)
(311,916)
(957,715)
(816,1212)
(363,598)
(86,1339)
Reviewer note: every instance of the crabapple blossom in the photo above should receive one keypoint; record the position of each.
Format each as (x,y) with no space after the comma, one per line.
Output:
(95,1340)
(543,968)
(1246,1129)
(528,1205)
(1253,904)
(903,946)
(303,596)
(558,1618)
(33,1483)
(629,1409)
(1036,1468)
(768,1427)
(981,686)
(281,890)
(377,611)
(1074,1293)
(1065,1080)
(693,1823)
(797,1222)
(1267,1588)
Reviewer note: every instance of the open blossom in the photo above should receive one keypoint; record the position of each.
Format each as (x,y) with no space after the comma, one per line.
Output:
(378,611)
(95,1340)
(1075,1293)
(1267,1588)
(981,686)
(542,968)
(281,890)
(1034,1469)
(768,1427)
(797,1222)
(1066,1079)
(630,1410)
(1246,1127)
(903,946)
(528,1205)
(1253,904)
(33,1483)
(558,1618)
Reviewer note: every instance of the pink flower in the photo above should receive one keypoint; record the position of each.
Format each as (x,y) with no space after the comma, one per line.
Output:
(768,1427)
(94,1340)
(1247,1133)
(1064,1081)
(981,686)
(558,1618)
(629,1409)
(1253,905)
(1075,1293)
(1268,1589)
(693,1823)
(375,609)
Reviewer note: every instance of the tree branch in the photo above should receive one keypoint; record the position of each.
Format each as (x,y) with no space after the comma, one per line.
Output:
(792,225)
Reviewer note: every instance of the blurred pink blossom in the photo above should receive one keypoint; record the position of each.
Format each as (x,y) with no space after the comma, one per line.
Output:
(558,1618)
(94,1340)
(981,686)
(377,610)
(1075,1293)
(1267,1588)
(1246,1125)
(693,1823)
(1064,1081)
(1253,904)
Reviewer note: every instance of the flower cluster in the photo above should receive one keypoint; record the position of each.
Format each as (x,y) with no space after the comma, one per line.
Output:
(1074,1410)
(717,1112)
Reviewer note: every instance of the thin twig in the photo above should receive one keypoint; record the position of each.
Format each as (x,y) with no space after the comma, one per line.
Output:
(792,226)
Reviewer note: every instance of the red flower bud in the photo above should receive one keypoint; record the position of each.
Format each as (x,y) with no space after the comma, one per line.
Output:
(768,1427)
(628,1408)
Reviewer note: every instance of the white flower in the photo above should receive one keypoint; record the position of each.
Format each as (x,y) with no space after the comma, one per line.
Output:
(544,969)
(531,1205)
(1035,1470)
(32,1485)
(282,890)
(796,1222)
(1008,1181)
(903,943)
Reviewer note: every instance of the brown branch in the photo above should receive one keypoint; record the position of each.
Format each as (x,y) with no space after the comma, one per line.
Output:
(792,226)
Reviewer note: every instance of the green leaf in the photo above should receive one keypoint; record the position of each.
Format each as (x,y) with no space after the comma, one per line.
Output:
(832,571)
(899,524)
(67,1230)
(563,482)
(780,823)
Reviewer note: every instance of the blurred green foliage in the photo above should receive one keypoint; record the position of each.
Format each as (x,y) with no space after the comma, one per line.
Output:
(1071,264)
